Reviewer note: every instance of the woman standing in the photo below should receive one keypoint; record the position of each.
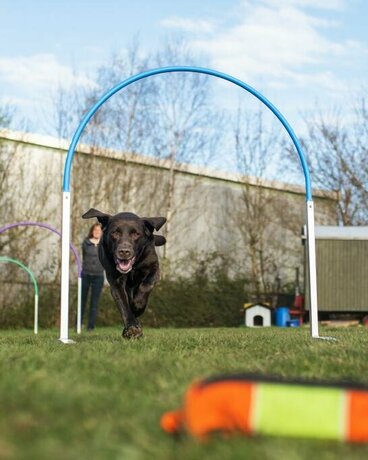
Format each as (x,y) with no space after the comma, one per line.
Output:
(92,274)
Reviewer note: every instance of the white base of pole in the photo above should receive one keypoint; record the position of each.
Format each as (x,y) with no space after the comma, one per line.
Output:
(67,341)
(331,339)
(312,268)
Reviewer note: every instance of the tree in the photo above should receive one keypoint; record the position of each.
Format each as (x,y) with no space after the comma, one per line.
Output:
(168,117)
(337,152)
(6,116)
(260,208)
(187,128)
(22,198)
(120,124)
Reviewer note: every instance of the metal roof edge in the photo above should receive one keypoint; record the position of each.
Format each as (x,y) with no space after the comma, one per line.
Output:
(342,233)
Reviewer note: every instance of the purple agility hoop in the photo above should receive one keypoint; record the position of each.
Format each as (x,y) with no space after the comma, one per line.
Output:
(73,249)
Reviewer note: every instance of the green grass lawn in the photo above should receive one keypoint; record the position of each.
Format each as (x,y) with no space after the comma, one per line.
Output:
(102,398)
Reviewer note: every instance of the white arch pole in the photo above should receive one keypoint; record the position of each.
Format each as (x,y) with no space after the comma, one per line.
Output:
(35,327)
(79,306)
(311,251)
(66,189)
(65,241)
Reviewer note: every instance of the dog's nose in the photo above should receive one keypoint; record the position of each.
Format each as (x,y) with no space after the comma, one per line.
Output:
(125,253)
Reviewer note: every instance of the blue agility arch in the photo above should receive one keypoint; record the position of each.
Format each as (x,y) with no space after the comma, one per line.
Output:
(66,187)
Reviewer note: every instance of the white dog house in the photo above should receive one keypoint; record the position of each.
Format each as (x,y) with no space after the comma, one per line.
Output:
(257,315)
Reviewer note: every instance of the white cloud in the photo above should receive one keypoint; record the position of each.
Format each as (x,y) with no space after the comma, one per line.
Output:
(30,84)
(189,25)
(281,42)
(322,5)
(40,72)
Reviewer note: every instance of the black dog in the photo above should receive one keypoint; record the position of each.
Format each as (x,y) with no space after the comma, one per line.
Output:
(127,253)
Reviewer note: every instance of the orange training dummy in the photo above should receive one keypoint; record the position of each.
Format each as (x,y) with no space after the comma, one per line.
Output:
(270,406)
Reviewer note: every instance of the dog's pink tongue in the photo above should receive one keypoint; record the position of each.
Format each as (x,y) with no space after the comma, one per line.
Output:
(125,265)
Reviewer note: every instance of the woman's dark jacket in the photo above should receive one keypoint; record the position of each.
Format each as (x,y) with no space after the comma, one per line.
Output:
(91,263)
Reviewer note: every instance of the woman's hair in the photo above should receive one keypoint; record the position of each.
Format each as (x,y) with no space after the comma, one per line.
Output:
(90,233)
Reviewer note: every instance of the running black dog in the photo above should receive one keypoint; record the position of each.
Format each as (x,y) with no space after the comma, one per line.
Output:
(127,253)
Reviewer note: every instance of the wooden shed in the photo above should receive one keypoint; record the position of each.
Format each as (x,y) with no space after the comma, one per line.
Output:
(342,269)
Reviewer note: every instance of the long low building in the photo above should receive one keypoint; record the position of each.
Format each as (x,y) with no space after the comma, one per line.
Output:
(248,224)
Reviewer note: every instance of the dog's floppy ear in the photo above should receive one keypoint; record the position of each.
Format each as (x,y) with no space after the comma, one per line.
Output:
(101,216)
(154,223)
(159,240)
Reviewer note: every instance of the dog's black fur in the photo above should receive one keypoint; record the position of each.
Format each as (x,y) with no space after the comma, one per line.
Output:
(127,253)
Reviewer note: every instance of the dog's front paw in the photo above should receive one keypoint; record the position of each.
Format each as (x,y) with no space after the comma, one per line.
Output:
(133,332)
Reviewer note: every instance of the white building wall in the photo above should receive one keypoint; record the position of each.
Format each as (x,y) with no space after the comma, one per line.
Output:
(205,203)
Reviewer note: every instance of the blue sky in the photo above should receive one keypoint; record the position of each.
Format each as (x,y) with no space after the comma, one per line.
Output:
(298,53)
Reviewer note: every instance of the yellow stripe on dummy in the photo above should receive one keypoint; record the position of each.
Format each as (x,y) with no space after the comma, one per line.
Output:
(299,411)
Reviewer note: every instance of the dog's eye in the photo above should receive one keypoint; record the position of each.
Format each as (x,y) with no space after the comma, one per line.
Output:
(135,234)
(115,234)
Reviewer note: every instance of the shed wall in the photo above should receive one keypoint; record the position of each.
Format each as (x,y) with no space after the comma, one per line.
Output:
(342,275)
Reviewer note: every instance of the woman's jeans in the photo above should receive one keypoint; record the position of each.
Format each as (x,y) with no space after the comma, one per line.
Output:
(95,282)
